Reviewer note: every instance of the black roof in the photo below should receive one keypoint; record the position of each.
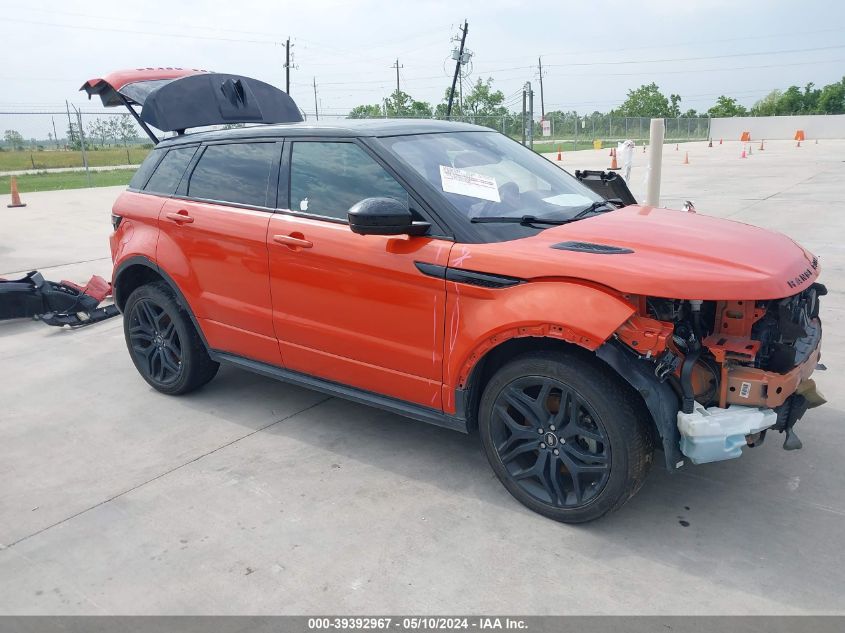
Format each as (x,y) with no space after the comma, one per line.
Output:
(341,128)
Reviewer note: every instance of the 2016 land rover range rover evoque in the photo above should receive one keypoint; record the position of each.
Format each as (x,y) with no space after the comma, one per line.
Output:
(446,273)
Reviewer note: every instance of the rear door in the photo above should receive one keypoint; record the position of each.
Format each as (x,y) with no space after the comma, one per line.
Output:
(350,308)
(213,244)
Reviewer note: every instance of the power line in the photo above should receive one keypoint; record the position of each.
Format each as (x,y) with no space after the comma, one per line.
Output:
(675,59)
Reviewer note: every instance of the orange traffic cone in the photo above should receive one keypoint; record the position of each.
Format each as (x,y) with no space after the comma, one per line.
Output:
(743,153)
(16,197)
(559,153)
(613,164)
(686,158)
(761,146)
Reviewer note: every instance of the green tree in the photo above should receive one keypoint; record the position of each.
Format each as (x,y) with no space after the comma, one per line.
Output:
(441,108)
(13,138)
(401,104)
(127,132)
(648,101)
(98,131)
(727,107)
(768,105)
(675,107)
(365,112)
(398,104)
(483,100)
(832,99)
(791,101)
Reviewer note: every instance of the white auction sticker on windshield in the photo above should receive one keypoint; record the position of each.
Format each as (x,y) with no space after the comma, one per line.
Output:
(467,183)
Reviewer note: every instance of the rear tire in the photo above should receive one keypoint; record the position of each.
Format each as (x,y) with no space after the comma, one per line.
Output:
(163,342)
(564,435)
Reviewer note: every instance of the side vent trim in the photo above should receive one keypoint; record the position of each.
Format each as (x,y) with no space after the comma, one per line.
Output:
(589,247)
(471,277)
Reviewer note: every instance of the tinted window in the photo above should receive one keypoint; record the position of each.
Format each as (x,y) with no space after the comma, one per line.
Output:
(169,171)
(238,172)
(146,169)
(328,178)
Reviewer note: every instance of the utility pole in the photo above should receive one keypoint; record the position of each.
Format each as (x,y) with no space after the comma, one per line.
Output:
(287,66)
(397,67)
(69,125)
(82,144)
(524,95)
(316,112)
(458,62)
(530,116)
(55,134)
(542,103)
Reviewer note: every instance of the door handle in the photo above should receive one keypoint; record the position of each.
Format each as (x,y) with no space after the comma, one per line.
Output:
(181,217)
(294,240)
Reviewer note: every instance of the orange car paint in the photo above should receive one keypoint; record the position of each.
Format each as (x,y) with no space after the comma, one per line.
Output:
(311,296)
(676,255)
(355,309)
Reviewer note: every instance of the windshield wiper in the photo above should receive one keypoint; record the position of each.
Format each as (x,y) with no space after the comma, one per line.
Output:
(533,219)
(593,208)
(525,219)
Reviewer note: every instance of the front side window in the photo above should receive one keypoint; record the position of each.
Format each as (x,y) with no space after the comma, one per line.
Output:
(326,178)
(234,172)
(169,172)
(487,175)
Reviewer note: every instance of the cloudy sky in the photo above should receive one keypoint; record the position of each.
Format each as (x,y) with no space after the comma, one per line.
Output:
(593,52)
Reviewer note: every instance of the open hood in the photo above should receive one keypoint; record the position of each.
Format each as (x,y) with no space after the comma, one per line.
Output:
(175,99)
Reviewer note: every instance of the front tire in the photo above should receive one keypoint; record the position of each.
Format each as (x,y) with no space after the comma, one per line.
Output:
(564,436)
(163,343)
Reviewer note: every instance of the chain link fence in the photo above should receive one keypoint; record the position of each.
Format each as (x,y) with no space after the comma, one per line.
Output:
(98,139)
(58,139)
(581,131)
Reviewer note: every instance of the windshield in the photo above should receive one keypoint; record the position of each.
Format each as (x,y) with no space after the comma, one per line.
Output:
(486,174)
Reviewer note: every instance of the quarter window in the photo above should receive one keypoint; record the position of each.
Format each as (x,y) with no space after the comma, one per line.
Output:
(236,172)
(146,169)
(170,170)
(328,178)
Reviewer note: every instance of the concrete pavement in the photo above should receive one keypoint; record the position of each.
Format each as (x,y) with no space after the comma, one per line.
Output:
(256,497)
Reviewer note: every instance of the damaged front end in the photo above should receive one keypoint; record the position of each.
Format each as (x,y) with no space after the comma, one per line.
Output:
(737,369)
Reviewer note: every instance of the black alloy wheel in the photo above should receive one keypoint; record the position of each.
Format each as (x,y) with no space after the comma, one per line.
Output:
(163,342)
(155,342)
(549,441)
(566,436)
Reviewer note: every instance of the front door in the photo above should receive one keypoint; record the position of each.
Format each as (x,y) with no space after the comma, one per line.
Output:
(350,308)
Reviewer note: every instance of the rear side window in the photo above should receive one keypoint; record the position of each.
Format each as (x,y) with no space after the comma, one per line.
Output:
(170,170)
(328,178)
(145,170)
(236,172)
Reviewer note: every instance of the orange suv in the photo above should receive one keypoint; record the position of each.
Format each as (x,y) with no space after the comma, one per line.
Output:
(448,274)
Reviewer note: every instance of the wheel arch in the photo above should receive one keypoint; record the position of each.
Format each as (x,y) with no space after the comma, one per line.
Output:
(657,400)
(137,271)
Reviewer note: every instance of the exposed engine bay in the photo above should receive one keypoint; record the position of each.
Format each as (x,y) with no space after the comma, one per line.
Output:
(739,368)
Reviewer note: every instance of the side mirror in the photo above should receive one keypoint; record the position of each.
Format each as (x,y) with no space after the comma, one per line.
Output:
(384,216)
